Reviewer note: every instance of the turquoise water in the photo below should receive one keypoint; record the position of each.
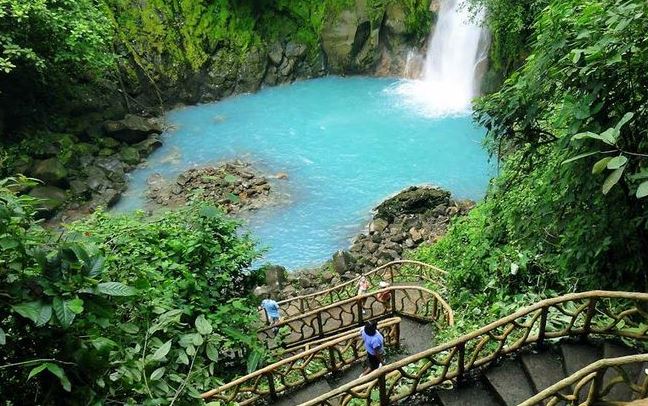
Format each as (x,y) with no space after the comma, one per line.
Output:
(345,143)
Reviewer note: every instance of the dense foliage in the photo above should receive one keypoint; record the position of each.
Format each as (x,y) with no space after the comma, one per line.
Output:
(567,211)
(121,308)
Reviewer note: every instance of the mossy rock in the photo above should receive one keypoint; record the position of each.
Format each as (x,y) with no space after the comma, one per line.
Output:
(414,200)
(130,156)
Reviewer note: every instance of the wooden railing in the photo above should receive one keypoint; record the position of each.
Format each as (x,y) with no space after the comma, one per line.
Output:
(411,301)
(302,368)
(589,386)
(604,313)
(396,271)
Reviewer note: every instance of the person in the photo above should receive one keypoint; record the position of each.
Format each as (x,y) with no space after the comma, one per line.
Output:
(363,287)
(374,344)
(271,308)
(384,297)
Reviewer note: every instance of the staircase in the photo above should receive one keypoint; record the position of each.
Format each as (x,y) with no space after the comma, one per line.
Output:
(563,350)
(516,380)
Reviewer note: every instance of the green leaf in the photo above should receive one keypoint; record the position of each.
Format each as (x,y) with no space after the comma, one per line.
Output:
(182,358)
(612,179)
(37,370)
(44,315)
(162,351)
(3,337)
(115,289)
(157,374)
(63,312)
(76,305)
(233,198)
(129,328)
(209,212)
(212,352)
(610,136)
(600,165)
(97,266)
(617,162)
(58,371)
(8,243)
(230,178)
(253,361)
(577,157)
(203,325)
(642,190)
(626,117)
(29,310)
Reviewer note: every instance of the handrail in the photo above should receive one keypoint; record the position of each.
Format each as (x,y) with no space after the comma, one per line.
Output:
(577,314)
(597,391)
(302,368)
(410,301)
(388,272)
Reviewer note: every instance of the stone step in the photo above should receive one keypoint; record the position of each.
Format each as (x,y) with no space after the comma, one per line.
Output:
(543,369)
(577,356)
(620,391)
(470,394)
(510,383)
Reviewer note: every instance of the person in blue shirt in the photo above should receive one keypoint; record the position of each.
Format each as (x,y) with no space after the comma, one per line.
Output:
(374,344)
(272,311)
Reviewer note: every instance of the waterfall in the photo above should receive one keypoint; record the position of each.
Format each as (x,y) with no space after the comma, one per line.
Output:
(450,75)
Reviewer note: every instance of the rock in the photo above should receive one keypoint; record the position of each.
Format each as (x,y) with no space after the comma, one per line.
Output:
(416,235)
(96,178)
(130,155)
(350,39)
(51,197)
(261,291)
(327,276)
(220,78)
(107,198)
(372,247)
(305,282)
(148,145)
(275,276)
(414,200)
(440,210)
(50,171)
(79,187)
(131,129)
(252,71)
(289,291)
(343,262)
(281,175)
(287,67)
(378,225)
(109,142)
(112,166)
(295,50)
(275,54)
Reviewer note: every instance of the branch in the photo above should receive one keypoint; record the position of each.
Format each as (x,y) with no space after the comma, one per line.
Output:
(184,383)
(33,361)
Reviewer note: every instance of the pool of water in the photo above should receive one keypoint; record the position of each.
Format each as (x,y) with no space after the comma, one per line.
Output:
(345,143)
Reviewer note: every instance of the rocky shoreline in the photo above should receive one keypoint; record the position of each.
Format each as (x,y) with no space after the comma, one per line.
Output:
(235,186)
(415,216)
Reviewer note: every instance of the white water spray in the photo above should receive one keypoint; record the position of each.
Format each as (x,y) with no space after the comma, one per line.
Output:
(450,76)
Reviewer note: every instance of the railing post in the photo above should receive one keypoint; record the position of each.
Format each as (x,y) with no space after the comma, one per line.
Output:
(392,301)
(320,325)
(382,388)
(543,326)
(591,308)
(331,354)
(361,304)
(271,386)
(301,304)
(397,328)
(460,363)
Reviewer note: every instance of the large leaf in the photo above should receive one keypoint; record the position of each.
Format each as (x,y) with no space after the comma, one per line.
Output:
(64,314)
(115,289)
(3,337)
(157,374)
(642,190)
(29,310)
(60,374)
(212,352)
(203,325)
(612,179)
(162,351)
(253,361)
(75,305)
(577,157)
(96,266)
(617,162)
(626,117)
(36,370)
(600,165)
(44,315)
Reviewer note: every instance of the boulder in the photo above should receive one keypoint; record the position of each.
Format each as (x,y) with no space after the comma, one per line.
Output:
(327,276)
(414,200)
(79,187)
(295,49)
(51,198)
(50,171)
(148,145)
(261,291)
(275,276)
(130,155)
(275,54)
(106,198)
(220,78)
(343,262)
(96,178)
(378,225)
(252,71)
(131,129)
(112,166)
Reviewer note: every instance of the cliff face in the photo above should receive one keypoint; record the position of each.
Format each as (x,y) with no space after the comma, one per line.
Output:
(191,52)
